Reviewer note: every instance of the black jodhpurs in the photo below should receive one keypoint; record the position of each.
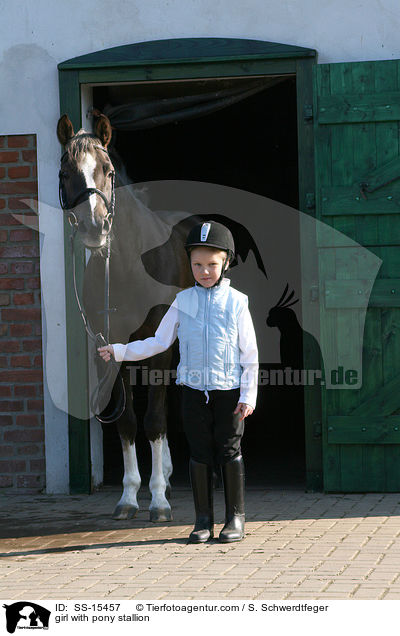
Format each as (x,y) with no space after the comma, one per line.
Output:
(212,430)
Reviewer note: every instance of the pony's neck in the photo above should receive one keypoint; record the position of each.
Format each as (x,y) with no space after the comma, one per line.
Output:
(136,228)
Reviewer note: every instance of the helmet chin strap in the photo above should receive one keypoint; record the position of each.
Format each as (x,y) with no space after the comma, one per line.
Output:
(224,269)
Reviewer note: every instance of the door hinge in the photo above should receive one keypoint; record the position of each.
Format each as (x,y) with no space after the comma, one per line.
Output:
(308,112)
(317,430)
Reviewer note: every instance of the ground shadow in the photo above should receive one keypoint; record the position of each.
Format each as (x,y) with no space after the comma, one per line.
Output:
(59,518)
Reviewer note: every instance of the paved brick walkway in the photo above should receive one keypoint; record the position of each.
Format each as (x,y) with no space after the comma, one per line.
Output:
(297,546)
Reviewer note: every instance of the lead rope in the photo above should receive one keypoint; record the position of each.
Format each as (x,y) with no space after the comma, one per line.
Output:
(107,292)
(98,338)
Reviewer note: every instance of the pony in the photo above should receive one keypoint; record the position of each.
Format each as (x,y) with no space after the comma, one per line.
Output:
(86,171)
(148,266)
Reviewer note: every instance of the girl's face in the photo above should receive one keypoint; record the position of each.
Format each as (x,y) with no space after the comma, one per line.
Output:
(207,264)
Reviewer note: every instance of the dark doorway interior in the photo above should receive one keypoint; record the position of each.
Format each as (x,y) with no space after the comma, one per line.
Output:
(251,145)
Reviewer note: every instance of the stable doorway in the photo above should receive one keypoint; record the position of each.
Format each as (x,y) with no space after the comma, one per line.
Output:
(250,145)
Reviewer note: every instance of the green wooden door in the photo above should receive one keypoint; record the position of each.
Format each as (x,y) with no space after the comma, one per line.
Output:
(357,124)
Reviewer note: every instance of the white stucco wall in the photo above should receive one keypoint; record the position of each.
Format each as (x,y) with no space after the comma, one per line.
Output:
(35,35)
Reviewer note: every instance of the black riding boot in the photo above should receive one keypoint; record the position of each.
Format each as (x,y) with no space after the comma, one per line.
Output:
(233,478)
(201,477)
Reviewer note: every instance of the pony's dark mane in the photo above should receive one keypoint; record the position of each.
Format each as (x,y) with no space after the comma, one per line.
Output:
(81,143)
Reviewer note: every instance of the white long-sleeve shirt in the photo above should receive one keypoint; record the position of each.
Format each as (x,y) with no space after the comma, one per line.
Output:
(167,332)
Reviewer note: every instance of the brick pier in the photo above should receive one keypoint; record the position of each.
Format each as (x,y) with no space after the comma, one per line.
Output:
(22,464)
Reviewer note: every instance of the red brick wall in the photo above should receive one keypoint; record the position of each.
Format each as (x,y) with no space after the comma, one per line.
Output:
(22,464)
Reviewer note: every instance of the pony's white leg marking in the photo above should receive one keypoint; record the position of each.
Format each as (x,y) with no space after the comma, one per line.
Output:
(160,510)
(167,463)
(128,505)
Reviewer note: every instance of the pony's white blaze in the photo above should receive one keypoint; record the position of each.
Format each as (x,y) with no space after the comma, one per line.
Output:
(88,167)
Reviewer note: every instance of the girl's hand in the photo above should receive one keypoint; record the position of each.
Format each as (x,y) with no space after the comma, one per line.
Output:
(106,352)
(244,410)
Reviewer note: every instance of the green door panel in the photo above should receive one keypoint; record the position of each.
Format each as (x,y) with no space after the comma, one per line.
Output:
(357,157)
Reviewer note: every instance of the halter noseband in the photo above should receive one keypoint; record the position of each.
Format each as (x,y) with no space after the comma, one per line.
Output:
(110,205)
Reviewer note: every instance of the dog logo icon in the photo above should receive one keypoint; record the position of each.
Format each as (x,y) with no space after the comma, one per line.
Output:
(26,615)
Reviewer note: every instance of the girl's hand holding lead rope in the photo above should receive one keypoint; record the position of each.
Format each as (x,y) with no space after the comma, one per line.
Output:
(106,353)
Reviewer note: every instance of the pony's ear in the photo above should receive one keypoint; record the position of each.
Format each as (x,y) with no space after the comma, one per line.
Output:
(65,130)
(103,130)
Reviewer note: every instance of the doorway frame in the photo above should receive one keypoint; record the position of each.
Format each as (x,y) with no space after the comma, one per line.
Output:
(181,59)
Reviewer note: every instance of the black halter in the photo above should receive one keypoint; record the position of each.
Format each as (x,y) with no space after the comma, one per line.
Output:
(65,205)
(98,339)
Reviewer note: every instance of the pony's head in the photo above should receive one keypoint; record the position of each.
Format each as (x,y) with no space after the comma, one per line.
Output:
(87,180)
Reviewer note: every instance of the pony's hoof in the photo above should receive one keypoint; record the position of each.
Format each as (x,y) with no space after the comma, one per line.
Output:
(125,511)
(160,514)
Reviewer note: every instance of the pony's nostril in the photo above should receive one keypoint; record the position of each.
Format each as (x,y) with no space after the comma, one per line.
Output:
(82,227)
(72,220)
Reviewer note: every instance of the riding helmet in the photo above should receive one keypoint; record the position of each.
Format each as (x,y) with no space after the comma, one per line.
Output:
(211,234)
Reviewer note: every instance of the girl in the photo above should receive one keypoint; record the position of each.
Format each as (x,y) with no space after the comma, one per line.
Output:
(218,371)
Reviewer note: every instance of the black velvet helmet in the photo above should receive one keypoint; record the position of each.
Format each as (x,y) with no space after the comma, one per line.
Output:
(211,234)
